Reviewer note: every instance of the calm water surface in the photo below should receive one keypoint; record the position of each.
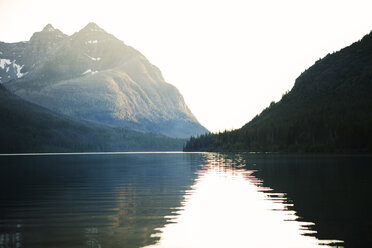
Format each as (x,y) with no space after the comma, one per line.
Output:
(185,200)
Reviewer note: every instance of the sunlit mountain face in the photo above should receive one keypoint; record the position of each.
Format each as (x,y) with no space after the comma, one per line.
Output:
(91,75)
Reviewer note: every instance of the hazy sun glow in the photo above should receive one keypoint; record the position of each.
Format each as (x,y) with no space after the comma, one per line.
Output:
(229,59)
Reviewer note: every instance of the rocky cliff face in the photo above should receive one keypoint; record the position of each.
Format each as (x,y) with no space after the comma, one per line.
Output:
(91,75)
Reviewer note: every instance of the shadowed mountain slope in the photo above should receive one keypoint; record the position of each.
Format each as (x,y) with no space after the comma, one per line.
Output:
(26,127)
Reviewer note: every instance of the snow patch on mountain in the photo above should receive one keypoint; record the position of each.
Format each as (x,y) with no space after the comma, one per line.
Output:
(11,69)
(92,58)
(18,69)
(91,42)
(4,62)
(89,71)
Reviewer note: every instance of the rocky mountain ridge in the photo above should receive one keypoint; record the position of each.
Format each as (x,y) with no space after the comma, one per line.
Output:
(91,75)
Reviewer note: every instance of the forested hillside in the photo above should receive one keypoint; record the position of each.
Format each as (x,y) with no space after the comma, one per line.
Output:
(329,109)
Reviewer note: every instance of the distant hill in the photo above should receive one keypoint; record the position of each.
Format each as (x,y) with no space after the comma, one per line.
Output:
(329,109)
(91,75)
(26,127)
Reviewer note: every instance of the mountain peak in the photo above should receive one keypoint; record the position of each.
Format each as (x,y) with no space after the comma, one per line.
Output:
(92,27)
(47,34)
(48,28)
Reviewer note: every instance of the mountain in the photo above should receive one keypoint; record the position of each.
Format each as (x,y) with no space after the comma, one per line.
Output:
(329,109)
(91,75)
(26,127)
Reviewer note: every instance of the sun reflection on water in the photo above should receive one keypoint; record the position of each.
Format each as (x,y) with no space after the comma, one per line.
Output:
(228,207)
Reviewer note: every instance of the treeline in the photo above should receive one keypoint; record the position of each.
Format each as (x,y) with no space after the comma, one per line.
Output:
(329,109)
(324,134)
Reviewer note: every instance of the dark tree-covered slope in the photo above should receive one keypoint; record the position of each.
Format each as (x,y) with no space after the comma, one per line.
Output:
(26,127)
(329,109)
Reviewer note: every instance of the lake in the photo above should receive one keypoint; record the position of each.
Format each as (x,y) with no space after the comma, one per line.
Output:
(185,200)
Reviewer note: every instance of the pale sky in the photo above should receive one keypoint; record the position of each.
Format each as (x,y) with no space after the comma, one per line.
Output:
(229,58)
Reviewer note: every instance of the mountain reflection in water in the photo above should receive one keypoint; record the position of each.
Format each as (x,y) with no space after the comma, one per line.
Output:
(104,200)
